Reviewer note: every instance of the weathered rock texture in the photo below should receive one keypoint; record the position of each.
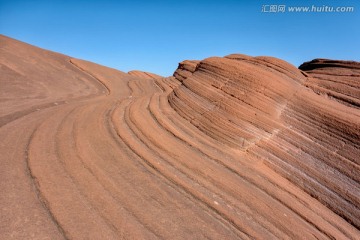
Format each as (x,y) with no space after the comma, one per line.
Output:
(228,148)
(336,79)
(142,74)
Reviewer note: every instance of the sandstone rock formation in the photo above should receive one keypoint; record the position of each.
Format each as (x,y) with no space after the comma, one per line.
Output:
(142,74)
(336,79)
(237,147)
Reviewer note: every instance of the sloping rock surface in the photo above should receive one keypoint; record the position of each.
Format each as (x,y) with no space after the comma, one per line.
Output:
(142,74)
(229,148)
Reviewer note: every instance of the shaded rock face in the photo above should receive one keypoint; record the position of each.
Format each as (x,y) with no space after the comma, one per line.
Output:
(304,125)
(336,79)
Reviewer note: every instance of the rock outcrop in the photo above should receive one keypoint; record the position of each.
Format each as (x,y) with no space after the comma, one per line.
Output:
(274,112)
(237,147)
(335,79)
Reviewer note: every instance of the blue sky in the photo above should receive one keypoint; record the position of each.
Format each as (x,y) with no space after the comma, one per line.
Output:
(156,35)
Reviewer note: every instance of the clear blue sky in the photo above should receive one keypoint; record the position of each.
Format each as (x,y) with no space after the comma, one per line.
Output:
(155,36)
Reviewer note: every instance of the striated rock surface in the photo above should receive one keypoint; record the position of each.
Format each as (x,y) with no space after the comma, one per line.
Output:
(185,69)
(33,78)
(237,147)
(142,74)
(335,79)
(263,106)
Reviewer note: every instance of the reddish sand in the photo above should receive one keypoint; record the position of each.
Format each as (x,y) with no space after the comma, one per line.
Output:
(229,148)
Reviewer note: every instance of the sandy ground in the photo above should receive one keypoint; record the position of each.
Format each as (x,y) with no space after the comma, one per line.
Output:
(228,148)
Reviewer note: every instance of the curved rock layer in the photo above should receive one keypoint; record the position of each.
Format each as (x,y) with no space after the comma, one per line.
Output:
(335,79)
(264,107)
(145,75)
(236,148)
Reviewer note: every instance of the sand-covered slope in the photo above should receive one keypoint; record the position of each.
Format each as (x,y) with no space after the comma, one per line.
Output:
(228,148)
